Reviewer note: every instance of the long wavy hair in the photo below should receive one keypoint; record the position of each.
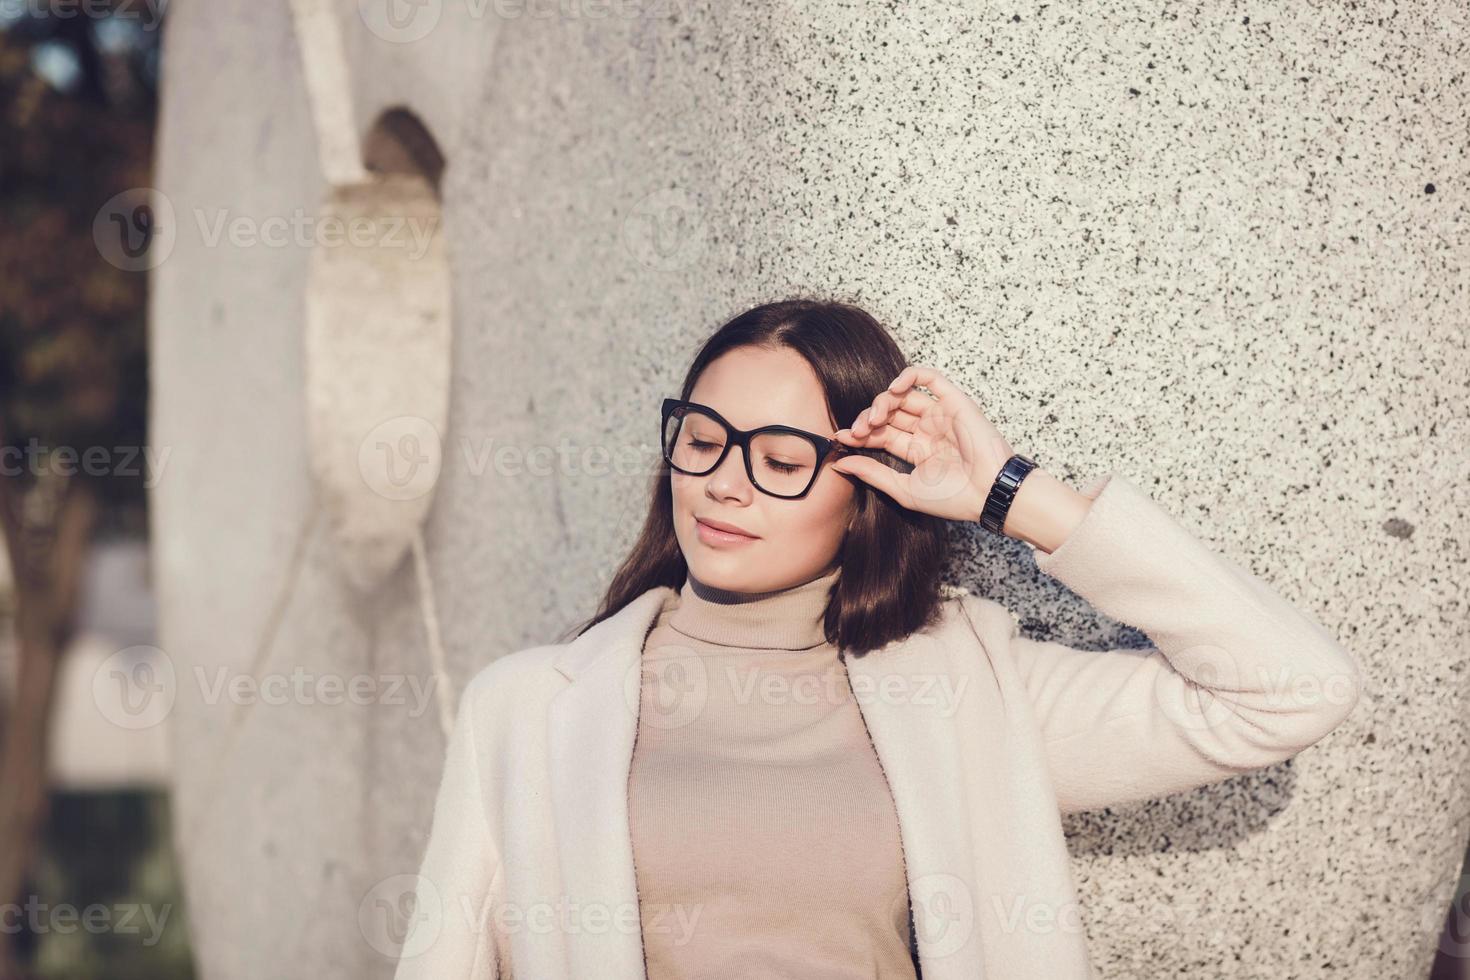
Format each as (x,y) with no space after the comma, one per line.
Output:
(891,558)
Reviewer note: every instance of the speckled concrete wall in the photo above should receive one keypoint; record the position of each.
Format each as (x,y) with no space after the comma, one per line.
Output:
(1221,249)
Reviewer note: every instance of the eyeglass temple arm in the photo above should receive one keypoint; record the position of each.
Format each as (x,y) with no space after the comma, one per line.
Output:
(840,449)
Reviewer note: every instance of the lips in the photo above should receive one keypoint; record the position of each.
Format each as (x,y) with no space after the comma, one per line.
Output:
(724,526)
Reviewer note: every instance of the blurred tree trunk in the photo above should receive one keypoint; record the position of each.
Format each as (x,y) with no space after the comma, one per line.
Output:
(47,528)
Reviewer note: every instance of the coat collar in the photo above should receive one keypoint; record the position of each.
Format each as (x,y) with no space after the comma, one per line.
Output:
(609,636)
(592,726)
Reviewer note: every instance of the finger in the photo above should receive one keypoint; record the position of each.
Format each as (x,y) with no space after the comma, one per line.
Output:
(932,423)
(875,474)
(912,401)
(867,421)
(951,397)
(907,437)
(915,447)
(885,403)
(954,402)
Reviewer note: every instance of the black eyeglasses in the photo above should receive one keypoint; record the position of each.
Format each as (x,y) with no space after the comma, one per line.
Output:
(780,460)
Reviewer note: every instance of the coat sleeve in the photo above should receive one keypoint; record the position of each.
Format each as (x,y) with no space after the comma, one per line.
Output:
(451,935)
(1235,679)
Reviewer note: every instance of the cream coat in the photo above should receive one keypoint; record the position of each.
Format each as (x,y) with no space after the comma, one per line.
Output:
(986,737)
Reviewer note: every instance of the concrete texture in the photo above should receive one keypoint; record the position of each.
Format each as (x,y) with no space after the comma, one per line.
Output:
(1197,245)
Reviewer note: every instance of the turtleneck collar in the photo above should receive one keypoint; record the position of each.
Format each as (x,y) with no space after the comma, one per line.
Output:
(785,619)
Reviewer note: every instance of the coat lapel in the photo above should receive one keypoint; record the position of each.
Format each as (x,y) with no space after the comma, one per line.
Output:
(914,735)
(592,724)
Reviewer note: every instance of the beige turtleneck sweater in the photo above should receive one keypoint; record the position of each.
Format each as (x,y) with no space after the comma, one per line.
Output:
(765,839)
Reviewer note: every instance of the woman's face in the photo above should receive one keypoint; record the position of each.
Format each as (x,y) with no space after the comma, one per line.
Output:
(791,540)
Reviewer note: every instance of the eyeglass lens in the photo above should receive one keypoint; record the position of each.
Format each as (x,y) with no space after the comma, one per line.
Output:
(781,463)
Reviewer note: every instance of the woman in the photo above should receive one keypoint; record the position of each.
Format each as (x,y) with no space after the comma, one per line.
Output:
(783,749)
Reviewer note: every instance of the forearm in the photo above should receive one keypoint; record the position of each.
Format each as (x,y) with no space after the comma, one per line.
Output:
(1045,511)
(1256,675)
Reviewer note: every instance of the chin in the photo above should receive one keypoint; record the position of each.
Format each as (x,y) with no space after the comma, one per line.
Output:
(725,571)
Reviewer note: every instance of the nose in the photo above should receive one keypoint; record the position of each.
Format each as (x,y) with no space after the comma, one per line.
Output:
(729,479)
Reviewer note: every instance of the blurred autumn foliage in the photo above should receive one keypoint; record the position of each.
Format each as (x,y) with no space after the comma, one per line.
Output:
(77,107)
(72,325)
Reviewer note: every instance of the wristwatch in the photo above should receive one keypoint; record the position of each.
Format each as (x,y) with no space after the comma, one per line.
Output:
(1003,492)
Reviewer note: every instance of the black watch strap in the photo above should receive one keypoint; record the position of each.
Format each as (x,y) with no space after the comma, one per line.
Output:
(1003,492)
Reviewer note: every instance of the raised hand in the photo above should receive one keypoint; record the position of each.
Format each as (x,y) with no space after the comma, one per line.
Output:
(956,451)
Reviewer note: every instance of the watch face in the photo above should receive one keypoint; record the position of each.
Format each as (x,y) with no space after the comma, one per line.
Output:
(1021,465)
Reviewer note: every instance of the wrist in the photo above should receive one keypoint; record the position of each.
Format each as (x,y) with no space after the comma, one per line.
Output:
(1004,485)
(1044,511)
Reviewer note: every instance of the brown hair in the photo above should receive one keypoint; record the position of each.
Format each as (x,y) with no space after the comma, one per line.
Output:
(892,557)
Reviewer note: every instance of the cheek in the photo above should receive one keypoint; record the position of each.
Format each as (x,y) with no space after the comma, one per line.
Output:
(684,489)
(823,513)
(687,493)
